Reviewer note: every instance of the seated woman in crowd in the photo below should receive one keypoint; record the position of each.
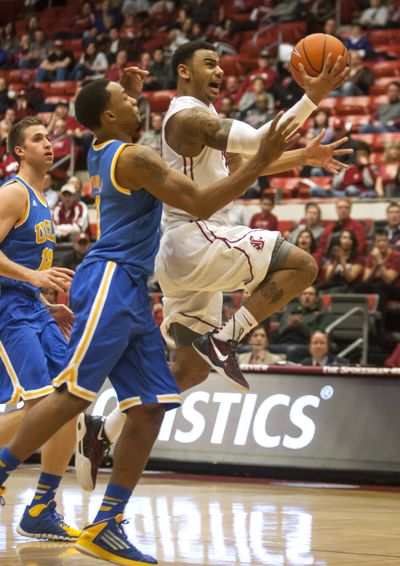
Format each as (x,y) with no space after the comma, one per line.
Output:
(258,340)
(388,180)
(344,266)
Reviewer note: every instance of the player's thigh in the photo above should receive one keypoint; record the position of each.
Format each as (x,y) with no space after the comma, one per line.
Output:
(54,346)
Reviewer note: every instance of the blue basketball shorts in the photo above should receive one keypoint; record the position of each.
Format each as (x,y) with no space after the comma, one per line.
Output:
(32,348)
(114,335)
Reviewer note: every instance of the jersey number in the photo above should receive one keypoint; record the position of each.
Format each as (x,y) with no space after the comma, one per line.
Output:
(47,259)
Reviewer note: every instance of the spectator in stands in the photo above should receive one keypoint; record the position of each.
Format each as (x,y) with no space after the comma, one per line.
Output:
(263,71)
(265,220)
(114,72)
(70,216)
(52,196)
(22,53)
(299,319)
(202,11)
(21,105)
(34,94)
(387,117)
(10,115)
(50,295)
(392,224)
(39,49)
(262,111)
(33,25)
(231,89)
(92,63)
(227,108)
(344,266)
(248,100)
(388,180)
(259,354)
(9,40)
(284,11)
(5,100)
(320,122)
(135,7)
(344,222)
(81,247)
(382,271)
(376,16)
(160,76)
(5,129)
(105,17)
(152,137)
(86,17)
(358,41)
(359,180)
(305,240)
(320,354)
(115,43)
(360,78)
(57,66)
(311,222)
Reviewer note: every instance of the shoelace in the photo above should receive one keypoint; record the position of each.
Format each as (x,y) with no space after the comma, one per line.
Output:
(233,346)
(59,518)
(121,531)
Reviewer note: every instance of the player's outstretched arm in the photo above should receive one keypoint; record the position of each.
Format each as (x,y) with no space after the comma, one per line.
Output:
(13,203)
(141,167)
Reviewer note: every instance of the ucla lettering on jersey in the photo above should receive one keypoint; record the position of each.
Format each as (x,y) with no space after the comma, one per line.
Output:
(31,241)
(128,220)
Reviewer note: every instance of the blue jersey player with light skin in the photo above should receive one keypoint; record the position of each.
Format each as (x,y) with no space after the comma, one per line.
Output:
(114,333)
(32,346)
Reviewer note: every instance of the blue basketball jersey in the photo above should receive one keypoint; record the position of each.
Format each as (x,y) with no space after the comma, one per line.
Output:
(31,241)
(128,219)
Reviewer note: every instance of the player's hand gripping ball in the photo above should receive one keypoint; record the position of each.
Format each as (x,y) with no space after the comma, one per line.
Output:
(312,51)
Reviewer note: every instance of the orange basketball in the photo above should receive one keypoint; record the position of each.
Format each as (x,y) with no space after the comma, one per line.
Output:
(312,51)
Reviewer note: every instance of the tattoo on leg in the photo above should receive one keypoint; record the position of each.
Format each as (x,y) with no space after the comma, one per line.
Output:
(269,289)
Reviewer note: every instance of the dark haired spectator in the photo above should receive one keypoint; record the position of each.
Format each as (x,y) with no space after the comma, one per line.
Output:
(152,136)
(311,222)
(359,180)
(10,115)
(34,94)
(392,224)
(248,100)
(343,222)
(388,180)
(114,44)
(86,17)
(259,354)
(160,74)
(299,319)
(92,63)
(357,40)
(231,89)
(105,17)
(382,271)
(202,11)
(265,220)
(320,354)
(39,49)
(227,108)
(50,295)
(70,216)
(33,25)
(261,112)
(23,51)
(306,241)
(387,116)
(81,246)
(58,64)
(360,78)
(5,100)
(9,40)
(344,266)
(263,71)
(376,16)
(21,105)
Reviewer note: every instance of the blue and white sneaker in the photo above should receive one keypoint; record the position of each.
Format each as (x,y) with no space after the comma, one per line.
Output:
(44,522)
(107,540)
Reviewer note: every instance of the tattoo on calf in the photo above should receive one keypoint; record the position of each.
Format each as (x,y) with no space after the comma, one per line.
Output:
(269,289)
(148,160)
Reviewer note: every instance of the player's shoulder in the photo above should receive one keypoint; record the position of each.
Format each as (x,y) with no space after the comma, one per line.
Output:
(13,189)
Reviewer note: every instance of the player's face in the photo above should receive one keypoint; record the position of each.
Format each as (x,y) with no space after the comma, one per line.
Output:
(205,75)
(37,150)
(124,108)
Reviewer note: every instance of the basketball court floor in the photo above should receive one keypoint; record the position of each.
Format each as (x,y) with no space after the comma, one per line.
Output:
(190,521)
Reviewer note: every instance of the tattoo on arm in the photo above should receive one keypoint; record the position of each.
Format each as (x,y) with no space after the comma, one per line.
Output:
(214,131)
(153,165)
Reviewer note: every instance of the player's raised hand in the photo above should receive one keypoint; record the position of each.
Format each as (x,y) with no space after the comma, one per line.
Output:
(132,80)
(58,278)
(278,138)
(319,155)
(330,78)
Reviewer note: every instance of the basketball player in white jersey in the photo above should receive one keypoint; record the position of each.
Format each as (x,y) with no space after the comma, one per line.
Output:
(200,259)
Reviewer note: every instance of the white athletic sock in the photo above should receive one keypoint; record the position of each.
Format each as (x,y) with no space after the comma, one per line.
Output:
(114,424)
(237,326)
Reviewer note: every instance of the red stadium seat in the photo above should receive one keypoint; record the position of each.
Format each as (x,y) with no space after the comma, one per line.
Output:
(331,105)
(380,140)
(231,65)
(380,37)
(385,68)
(285,225)
(160,99)
(380,85)
(354,121)
(355,105)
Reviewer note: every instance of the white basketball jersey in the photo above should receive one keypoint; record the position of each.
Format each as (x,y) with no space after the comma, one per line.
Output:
(204,169)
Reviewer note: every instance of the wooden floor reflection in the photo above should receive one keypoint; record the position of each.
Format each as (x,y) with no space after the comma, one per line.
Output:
(191,523)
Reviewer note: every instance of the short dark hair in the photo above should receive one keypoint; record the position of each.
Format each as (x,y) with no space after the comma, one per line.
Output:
(186,51)
(91,102)
(17,133)
(381,232)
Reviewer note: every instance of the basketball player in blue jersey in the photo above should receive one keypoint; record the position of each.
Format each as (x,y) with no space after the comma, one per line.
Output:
(114,333)
(32,347)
